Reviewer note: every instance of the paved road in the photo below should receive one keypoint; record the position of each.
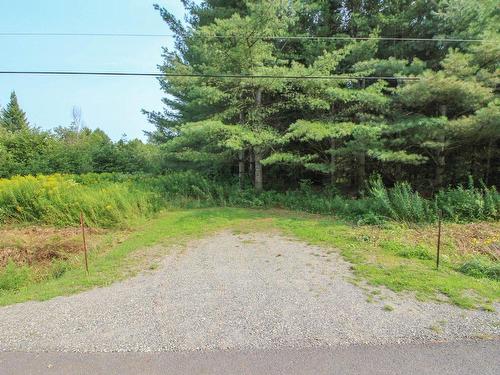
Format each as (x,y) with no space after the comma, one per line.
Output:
(446,358)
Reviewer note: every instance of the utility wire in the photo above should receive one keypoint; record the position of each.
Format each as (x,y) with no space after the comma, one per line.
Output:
(285,37)
(194,75)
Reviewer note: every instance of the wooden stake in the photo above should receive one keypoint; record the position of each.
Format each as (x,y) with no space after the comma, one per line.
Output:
(438,239)
(84,242)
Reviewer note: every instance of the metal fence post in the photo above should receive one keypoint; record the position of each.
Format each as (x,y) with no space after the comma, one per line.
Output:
(440,214)
(84,242)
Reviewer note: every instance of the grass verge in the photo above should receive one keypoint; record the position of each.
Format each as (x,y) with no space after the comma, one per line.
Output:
(397,257)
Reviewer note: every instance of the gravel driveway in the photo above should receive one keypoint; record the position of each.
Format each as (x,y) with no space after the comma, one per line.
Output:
(236,291)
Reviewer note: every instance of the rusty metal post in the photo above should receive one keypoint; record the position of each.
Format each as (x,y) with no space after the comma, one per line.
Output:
(439,238)
(84,242)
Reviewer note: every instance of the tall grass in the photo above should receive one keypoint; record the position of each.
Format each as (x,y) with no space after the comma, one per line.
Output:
(113,199)
(400,203)
(58,199)
(13,277)
(469,203)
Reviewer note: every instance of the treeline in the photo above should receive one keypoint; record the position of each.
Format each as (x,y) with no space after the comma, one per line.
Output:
(432,117)
(25,149)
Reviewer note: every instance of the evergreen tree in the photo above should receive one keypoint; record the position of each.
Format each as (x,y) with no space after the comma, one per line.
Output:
(439,128)
(12,117)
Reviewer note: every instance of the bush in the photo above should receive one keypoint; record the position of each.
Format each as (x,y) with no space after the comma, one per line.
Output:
(469,204)
(401,203)
(480,268)
(111,199)
(58,268)
(13,277)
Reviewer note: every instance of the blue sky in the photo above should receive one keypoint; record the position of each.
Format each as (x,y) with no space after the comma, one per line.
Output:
(111,103)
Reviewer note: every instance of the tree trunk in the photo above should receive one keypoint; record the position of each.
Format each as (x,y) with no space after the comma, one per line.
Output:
(488,162)
(258,170)
(361,170)
(332,161)
(251,170)
(440,158)
(258,97)
(241,160)
(258,150)
(241,168)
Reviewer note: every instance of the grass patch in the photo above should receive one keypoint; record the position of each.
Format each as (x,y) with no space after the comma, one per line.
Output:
(395,265)
(477,267)
(417,251)
(388,308)
(436,328)
(13,277)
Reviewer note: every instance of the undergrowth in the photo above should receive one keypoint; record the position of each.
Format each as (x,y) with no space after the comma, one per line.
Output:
(109,200)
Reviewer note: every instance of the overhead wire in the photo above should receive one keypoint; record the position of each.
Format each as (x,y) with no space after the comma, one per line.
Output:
(297,37)
(201,75)
(284,37)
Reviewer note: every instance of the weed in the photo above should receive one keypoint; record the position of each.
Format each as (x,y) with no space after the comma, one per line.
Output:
(407,251)
(109,200)
(13,277)
(388,308)
(480,268)
(58,268)
(436,328)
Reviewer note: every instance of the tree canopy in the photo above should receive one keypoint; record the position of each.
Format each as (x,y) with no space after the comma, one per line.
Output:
(433,130)
(26,149)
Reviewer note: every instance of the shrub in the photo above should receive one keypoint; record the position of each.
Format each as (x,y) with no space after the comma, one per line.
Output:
(111,199)
(13,277)
(58,268)
(401,203)
(479,268)
(469,204)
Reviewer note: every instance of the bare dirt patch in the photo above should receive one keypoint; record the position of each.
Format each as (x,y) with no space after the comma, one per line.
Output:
(460,239)
(34,245)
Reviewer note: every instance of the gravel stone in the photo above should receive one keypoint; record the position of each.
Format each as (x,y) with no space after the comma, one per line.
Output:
(236,291)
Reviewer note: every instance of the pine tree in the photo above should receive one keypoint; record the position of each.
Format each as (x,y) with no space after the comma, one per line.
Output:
(440,128)
(12,117)
(435,107)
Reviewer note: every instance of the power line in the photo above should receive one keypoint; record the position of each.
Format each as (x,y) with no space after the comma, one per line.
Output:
(126,35)
(194,75)
(284,37)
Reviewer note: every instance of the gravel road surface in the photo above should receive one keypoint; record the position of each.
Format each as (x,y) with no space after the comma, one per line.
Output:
(241,292)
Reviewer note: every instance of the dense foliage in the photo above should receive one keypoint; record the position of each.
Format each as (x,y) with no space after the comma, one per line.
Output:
(433,131)
(59,199)
(111,199)
(303,144)
(25,149)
